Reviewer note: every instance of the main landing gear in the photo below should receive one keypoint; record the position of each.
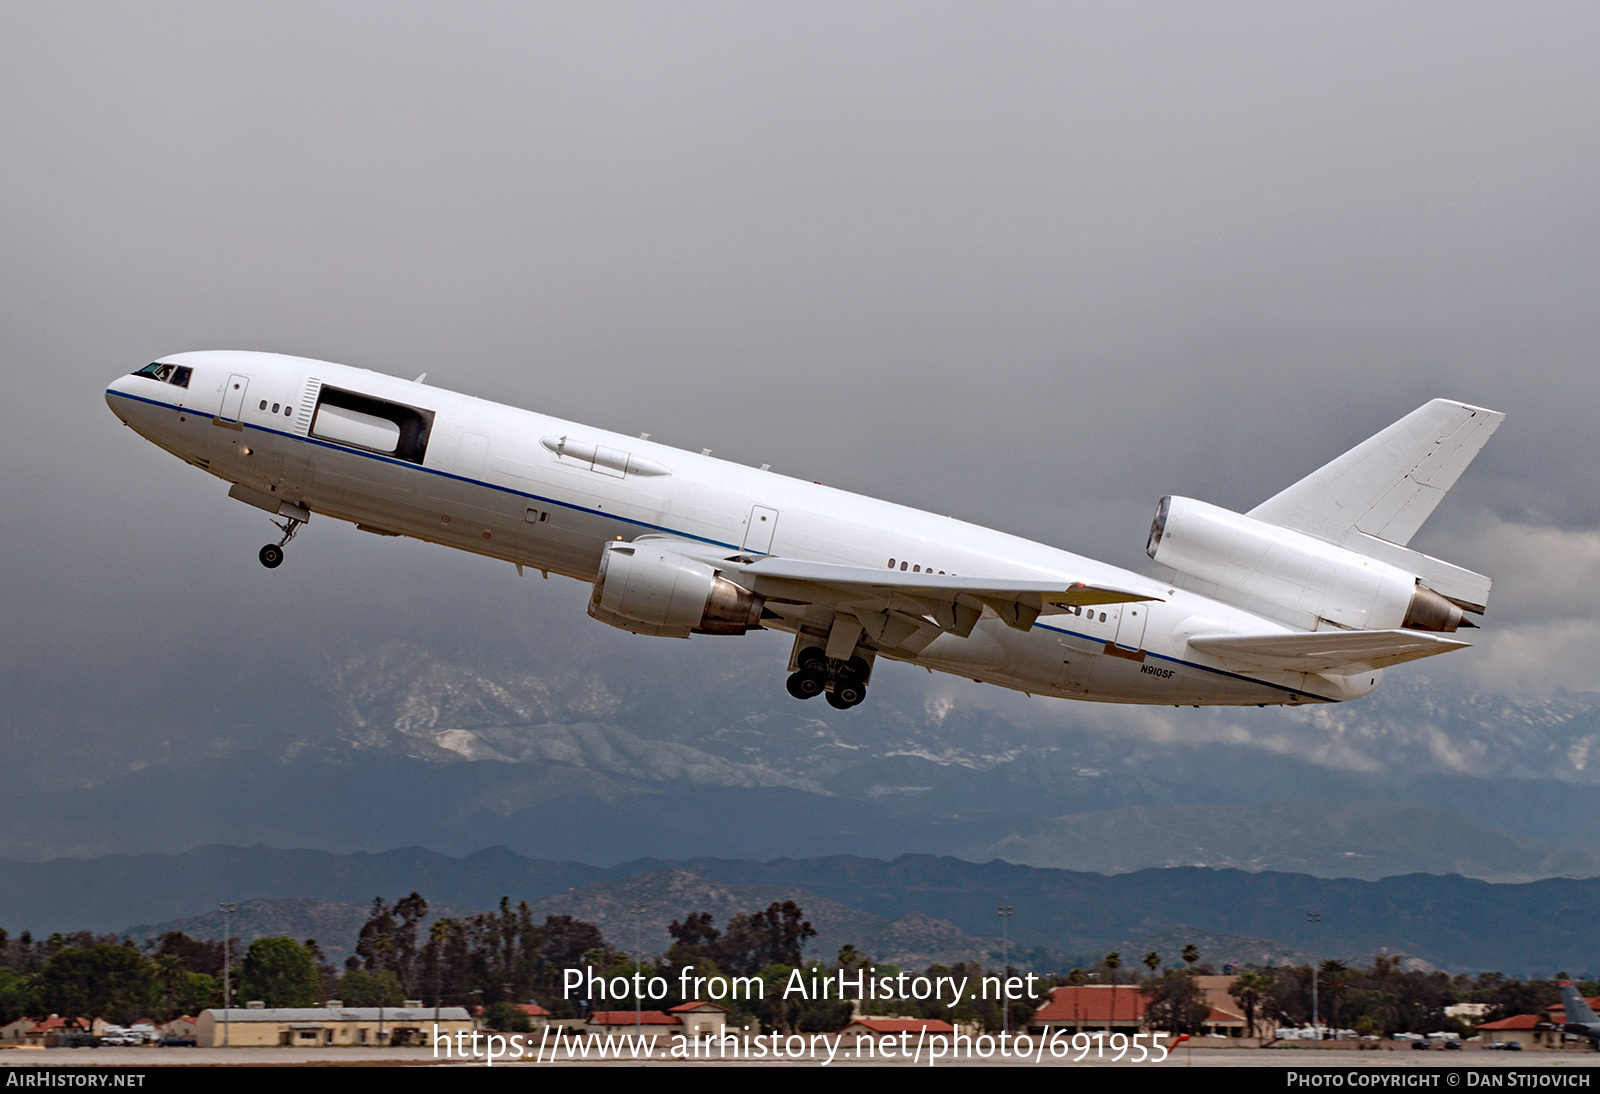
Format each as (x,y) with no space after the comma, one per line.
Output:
(844,682)
(272,554)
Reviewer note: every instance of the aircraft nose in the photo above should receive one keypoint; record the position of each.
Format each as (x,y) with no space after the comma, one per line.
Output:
(114,392)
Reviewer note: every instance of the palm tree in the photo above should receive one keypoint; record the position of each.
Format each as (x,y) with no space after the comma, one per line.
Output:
(438,936)
(382,947)
(1152,961)
(173,976)
(1113,962)
(1190,955)
(1247,989)
(1335,977)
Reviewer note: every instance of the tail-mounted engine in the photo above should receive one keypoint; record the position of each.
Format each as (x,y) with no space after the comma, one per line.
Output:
(1288,575)
(650,589)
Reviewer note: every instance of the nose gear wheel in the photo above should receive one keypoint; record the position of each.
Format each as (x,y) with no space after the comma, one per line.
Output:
(271,555)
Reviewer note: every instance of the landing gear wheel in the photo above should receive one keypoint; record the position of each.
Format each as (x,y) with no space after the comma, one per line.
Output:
(812,657)
(806,684)
(271,556)
(846,694)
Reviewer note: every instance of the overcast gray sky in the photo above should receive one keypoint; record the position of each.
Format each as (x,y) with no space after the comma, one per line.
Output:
(1034,265)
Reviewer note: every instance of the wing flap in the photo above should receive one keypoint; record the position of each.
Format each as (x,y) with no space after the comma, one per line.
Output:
(1337,653)
(1018,602)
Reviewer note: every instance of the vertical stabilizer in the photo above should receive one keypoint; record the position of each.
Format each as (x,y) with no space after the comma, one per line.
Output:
(1576,1006)
(1373,498)
(1387,485)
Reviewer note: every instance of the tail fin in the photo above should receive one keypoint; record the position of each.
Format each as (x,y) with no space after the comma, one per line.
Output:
(1373,498)
(1577,1007)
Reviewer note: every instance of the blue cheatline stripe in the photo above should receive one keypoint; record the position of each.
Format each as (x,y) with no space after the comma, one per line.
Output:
(1193,665)
(407,465)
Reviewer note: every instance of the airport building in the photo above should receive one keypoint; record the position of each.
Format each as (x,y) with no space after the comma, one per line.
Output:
(333,1024)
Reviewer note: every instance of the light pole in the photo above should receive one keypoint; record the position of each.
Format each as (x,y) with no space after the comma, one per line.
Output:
(1004,912)
(1314,918)
(636,909)
(227,909)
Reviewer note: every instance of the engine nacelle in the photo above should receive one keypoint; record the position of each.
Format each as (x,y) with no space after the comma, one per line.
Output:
(1289,575)
(651,589)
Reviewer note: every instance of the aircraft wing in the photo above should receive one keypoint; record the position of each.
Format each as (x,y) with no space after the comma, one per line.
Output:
(953,603)
(1338,653)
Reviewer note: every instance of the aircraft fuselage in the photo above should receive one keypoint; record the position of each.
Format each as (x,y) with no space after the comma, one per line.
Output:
(549,495)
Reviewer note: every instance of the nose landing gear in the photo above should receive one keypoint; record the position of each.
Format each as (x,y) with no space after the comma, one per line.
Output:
(272,554)
(844,682)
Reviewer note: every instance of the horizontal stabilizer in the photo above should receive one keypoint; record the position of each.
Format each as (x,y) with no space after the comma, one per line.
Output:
(1337,653)
(1387,485)
(1467,589)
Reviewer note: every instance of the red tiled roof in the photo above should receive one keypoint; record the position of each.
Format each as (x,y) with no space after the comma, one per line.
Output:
(45,1025)
(1516,1021)
(627,1018)
(533,1010)
(903,1025)
(1093,1003)
(1217,1015)
(694,1005)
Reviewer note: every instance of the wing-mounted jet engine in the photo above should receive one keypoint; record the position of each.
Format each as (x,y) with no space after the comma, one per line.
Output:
(647,587)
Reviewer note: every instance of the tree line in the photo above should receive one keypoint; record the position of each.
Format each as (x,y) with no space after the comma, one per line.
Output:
(509,956)
(1381,999)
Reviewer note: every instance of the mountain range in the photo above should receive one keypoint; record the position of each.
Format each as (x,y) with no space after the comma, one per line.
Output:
(397,744)
(920,906)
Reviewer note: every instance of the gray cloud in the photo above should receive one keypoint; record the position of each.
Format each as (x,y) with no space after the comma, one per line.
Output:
(1034,268)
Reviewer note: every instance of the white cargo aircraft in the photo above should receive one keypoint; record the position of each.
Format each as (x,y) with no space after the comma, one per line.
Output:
(1304,599)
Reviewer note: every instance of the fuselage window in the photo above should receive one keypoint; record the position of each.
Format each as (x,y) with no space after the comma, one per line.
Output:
(375,425)
(263,404)
(274,408)
(891,564)
(1102,617)
(903,565)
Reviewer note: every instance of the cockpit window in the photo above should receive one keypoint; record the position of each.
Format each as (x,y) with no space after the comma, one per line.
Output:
(167,374)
